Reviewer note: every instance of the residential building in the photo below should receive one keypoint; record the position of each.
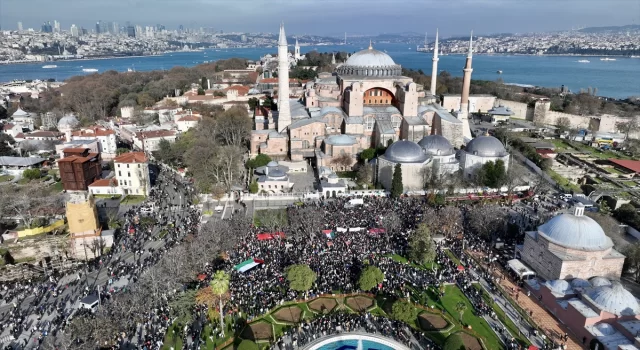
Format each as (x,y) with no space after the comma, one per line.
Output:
(16,165)
(91,144)
(105,187)
(11,129)
(149,141)
(187,122)
(23,118)
(106,139)
(79,168)
(44,136)
(132,172)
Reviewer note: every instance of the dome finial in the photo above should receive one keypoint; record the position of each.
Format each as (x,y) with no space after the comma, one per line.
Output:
(370,45)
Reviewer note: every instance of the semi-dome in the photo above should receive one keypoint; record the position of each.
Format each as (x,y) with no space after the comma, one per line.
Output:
(405,152)
(486,146)
(436,145)
(276,174)
(559,286)
(605,328)
(340,140)
(369,58)
(615,299)
(575,232)
(599,281)
(272,163)
(20,113)
(580,283)
(68,122)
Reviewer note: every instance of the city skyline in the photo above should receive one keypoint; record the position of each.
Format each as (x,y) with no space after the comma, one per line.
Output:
(331,17)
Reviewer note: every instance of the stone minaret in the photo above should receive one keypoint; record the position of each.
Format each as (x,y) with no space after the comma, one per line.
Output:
(434,66)
(284,112)
(463,113)
(333,58)
(296,51)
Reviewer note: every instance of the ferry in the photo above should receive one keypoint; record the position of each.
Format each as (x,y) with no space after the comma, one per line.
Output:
(583,61)
(48,66)
(607,59)
(89,70)
(499,72)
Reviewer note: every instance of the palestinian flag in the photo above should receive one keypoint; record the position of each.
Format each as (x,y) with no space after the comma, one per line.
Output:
(248,264)
(329,233)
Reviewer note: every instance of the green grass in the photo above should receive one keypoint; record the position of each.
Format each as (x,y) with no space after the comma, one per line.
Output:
(563,181)
(346,174)
(270,217)
(57,187)
(132,200)
(207,212)
(513,329)
(453,295)
(108,196)
(403,260)
(612,170)
(559,144)
(5,178)
(171,341)
(453,257)
(630,183)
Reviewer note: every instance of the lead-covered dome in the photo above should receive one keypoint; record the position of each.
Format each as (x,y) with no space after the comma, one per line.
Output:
(575,232)
(599,281)
(615,299)
(405,152)
(436,145)
(370,62)
(340,140)
(68,122)
(486,146)
(559,286)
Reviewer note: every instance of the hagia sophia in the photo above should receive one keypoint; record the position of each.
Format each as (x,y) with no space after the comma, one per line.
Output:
(367,103)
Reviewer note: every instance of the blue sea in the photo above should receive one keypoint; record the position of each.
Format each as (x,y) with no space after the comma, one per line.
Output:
(619,78)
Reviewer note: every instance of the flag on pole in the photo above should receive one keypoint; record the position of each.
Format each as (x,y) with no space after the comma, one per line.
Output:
(248,264)
(329,233)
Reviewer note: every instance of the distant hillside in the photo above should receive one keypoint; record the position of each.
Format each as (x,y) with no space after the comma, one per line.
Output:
(630,27)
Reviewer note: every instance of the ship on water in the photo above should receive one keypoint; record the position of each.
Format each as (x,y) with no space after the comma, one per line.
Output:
(49,66)
(89,70)
(607,59)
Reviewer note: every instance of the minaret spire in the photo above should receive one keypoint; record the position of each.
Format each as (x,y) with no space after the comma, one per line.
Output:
(370,45)
(463,113)
(470,53)
(282,38)
(434,66)
(284,111)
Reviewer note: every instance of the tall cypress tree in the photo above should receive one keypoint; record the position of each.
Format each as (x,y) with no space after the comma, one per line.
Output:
(396,182)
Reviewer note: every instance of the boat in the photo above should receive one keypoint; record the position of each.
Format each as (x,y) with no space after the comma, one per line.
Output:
(499,72)
(129,70)
(607,59)
(48,66)
(584,61)
(89,70)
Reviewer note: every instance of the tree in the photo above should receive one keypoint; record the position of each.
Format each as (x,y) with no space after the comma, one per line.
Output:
(343,160)
(32,174)
(300,277)
(201,91)
(181,307)
(367,154)
(491,174)
(259,161)
(461,307)
(370,277)
(253,103)
(630,125)
(403,311)
(486,220)
(253,187)
(627,213)
(632,262)
(164,152)
(563,124)
(421,246)
(233,126)
(204,84)
(3,113)
(120,151)
(396,182)
(220,286)
(364,174)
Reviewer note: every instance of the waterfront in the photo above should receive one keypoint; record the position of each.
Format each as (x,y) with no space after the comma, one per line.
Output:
(617,79)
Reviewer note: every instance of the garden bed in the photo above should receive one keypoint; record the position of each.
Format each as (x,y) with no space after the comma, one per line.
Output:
(323,305)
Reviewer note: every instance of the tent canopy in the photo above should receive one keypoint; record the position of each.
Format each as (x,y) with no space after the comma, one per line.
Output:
(520,268)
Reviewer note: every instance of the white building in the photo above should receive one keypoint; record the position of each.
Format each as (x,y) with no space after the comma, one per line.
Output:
(479,151)
(106,139)
(92,144)
(22,118)
(412,160)
(275,179)
(132,172)
(105,187)
(11,129)
(187,122)
(149,141)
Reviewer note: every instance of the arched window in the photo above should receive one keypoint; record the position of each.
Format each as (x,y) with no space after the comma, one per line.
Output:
(369,122)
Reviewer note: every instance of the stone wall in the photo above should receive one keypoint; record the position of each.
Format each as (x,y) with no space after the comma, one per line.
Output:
(520,110)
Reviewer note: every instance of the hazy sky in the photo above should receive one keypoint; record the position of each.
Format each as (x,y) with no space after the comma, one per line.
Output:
(330,17)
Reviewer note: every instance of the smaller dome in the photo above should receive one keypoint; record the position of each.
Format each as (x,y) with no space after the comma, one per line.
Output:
(68,122)
(276,173)
(580,283)
(20,113)
(486,146)
(436,145)
(405,152)
(615,299)
(559,286)
(599,281)
(605,328)
(340,140)
(272,163)
(333,176)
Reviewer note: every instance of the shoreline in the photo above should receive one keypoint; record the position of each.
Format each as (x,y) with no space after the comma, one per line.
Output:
(4,63)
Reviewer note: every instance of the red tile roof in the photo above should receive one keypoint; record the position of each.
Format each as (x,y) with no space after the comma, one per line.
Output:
(105,182)
(93,131)
(44,134)
(189,118)
(8,126)
(633,165)
(242,90)
(131,157)
(79,159)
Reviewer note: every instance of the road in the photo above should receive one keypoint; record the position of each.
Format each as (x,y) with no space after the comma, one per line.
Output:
(70,295)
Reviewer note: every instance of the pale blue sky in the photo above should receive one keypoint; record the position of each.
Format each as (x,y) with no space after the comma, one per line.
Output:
(330,17)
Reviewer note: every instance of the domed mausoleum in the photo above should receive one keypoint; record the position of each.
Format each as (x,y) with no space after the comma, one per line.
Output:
(442,153)
(66,125)
(571,246)
(481,150)
(412,160)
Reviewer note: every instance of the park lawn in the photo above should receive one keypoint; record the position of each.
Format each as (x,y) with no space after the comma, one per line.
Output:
(270,216)
(513,329)
(453,257)
(402,260)
(560,145)
(132,200)
(171,342)
(453,295)
(563,182)
(5,178)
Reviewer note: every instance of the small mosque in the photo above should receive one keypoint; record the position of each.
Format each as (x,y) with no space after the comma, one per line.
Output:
(368,103)
(274,178)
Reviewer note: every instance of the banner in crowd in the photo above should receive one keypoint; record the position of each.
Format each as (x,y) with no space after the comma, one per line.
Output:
(248,264)
(329,233)
(270,235)
(356,229)
(376,231)
(341,229)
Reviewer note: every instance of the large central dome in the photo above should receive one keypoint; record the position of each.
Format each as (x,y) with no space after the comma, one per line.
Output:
(370,58)
(370,62)
(576,232)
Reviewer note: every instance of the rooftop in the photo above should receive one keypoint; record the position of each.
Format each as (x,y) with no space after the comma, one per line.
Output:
(150,134)
(20,161)
(105,183)
(131,157)
(93,131)
(632,165)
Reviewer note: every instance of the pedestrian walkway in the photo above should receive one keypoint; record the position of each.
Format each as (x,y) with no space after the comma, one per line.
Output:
(551,327)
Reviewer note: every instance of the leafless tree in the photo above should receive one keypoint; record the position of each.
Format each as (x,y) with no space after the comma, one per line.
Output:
(487,220)
(234,126)
(365,174)
(343,160)
(447,220)
(305,222)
